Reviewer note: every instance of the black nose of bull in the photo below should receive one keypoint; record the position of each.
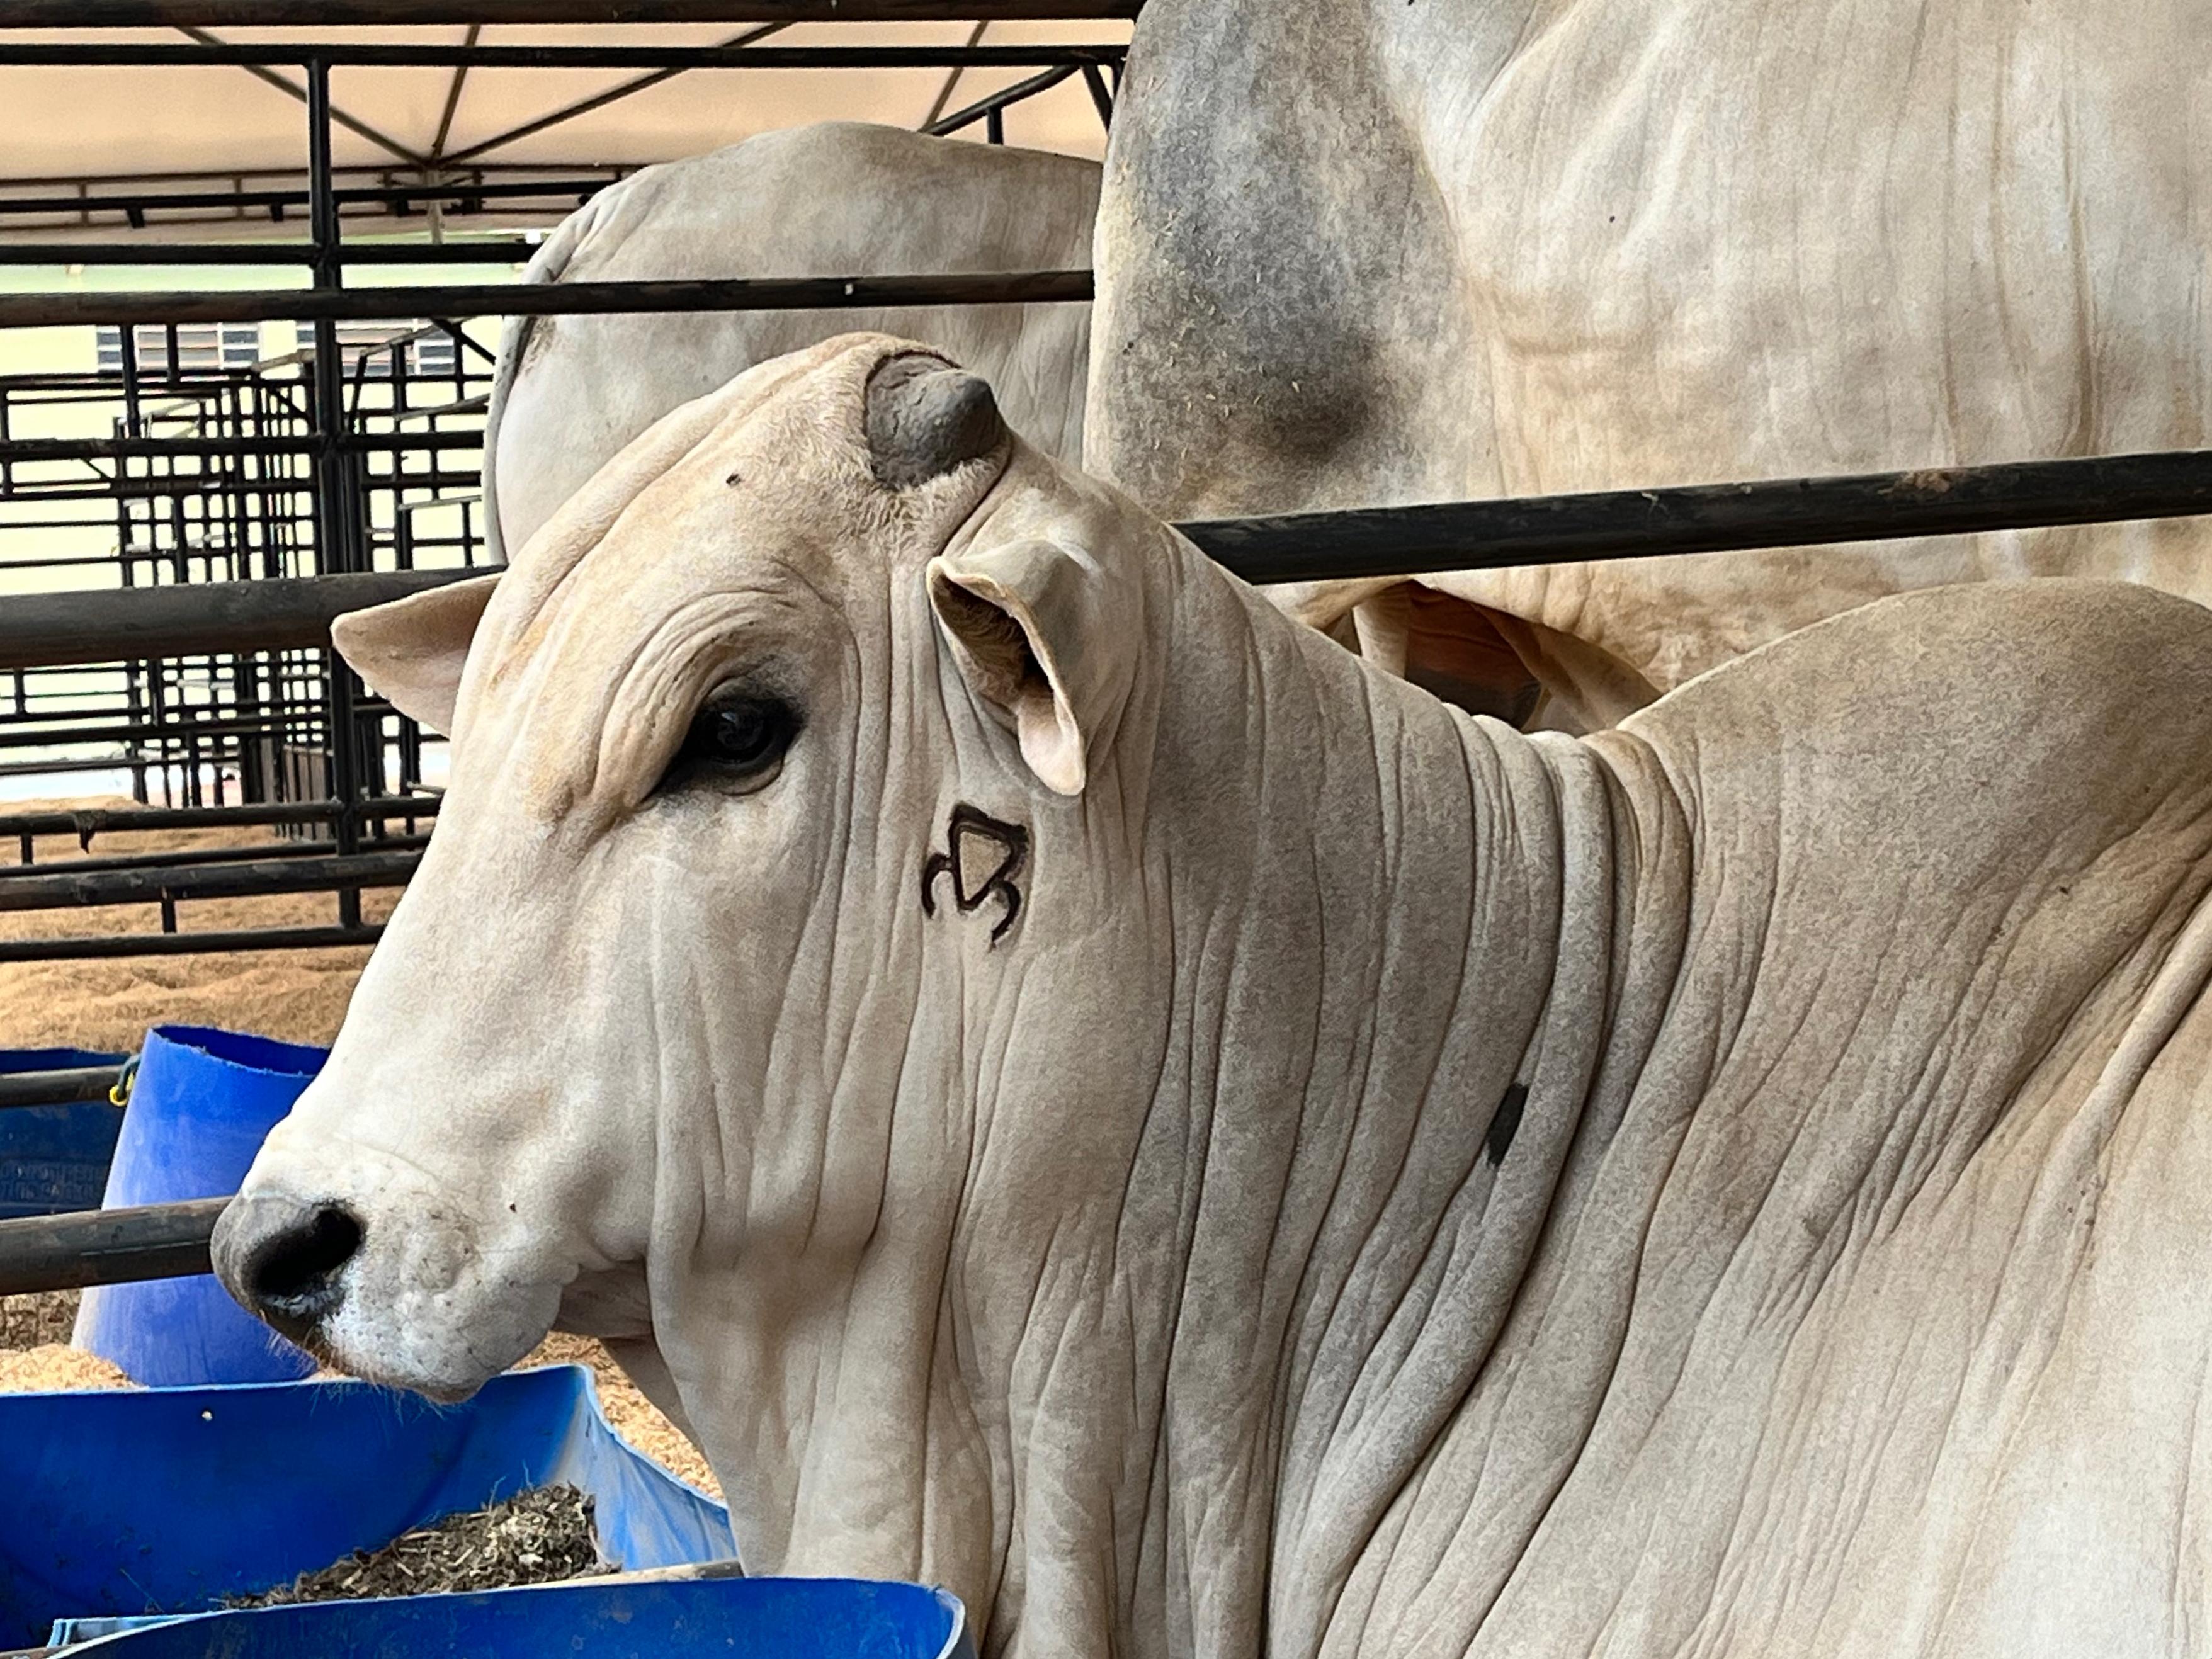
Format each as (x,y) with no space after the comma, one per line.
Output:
(283,1260)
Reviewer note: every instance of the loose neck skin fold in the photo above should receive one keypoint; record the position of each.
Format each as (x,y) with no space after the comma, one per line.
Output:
(1337,1031)
(1383,1070)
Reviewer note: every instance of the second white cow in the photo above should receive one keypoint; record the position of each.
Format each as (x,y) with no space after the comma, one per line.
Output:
(1353,254)
(839,199)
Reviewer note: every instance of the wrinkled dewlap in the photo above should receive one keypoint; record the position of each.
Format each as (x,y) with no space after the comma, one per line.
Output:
(536,1537)
(299,996)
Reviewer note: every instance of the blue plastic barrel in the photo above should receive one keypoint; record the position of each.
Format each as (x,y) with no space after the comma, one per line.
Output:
(204,1101)
(133,1502)
(54,1159)
(728,1618)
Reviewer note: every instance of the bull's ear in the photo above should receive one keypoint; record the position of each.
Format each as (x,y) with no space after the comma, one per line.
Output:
(410,651)
(1033,626)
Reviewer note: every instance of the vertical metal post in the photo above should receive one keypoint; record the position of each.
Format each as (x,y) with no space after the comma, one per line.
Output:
(126,338)
(334,551)
(134,672)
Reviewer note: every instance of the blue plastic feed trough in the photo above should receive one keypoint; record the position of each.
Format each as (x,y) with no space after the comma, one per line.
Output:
(130,1502)
(54,1159)
(730,1618)
(203,1102)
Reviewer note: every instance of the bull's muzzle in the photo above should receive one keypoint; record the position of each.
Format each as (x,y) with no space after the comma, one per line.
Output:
(285,1260)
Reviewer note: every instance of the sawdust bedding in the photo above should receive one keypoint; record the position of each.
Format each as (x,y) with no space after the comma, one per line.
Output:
(34,1351)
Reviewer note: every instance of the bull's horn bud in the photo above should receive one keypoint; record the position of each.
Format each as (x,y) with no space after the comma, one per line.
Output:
(925,417)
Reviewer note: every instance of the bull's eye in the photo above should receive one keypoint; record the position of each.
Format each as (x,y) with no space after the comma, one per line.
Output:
(737,736)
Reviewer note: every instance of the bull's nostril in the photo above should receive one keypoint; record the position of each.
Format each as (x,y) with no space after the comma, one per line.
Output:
(296,1268)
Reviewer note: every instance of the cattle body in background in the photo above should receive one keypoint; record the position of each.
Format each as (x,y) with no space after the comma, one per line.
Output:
(1356,252)
(839,199)
(904,935)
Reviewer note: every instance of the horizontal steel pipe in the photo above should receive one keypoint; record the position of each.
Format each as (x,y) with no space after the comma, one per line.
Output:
(219,855)
(265,55)
(25,451)
(208,731)
(298,195)
(57,629)
(103,946)
(97,820)
(243,878)
(1646,524)
(502,251)
(107,1247)
(57,1088)
(542,299)
(43,631)
(209,484)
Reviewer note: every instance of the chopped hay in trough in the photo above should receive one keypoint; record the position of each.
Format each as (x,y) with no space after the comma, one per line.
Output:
(541,1536)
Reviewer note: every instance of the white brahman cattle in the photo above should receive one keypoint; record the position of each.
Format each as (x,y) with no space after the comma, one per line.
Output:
(1105,1101)
(839,199)
(1356,254)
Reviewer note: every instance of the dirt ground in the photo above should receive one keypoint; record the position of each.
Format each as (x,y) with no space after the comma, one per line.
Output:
(298,996)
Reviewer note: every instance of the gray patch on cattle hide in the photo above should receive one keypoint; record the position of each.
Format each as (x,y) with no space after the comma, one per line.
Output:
(925,417)
(1505,1123)
(986,854)
(1261,247)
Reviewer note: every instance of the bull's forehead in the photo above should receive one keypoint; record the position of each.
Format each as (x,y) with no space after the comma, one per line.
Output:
(771,477)
(711,546)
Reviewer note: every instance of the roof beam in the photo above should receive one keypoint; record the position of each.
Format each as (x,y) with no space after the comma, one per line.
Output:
(952,79)
(600,100)
(293,90)
(454,96)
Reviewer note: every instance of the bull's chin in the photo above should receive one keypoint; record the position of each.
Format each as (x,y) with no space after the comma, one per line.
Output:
(441,1388)
(445,1367)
